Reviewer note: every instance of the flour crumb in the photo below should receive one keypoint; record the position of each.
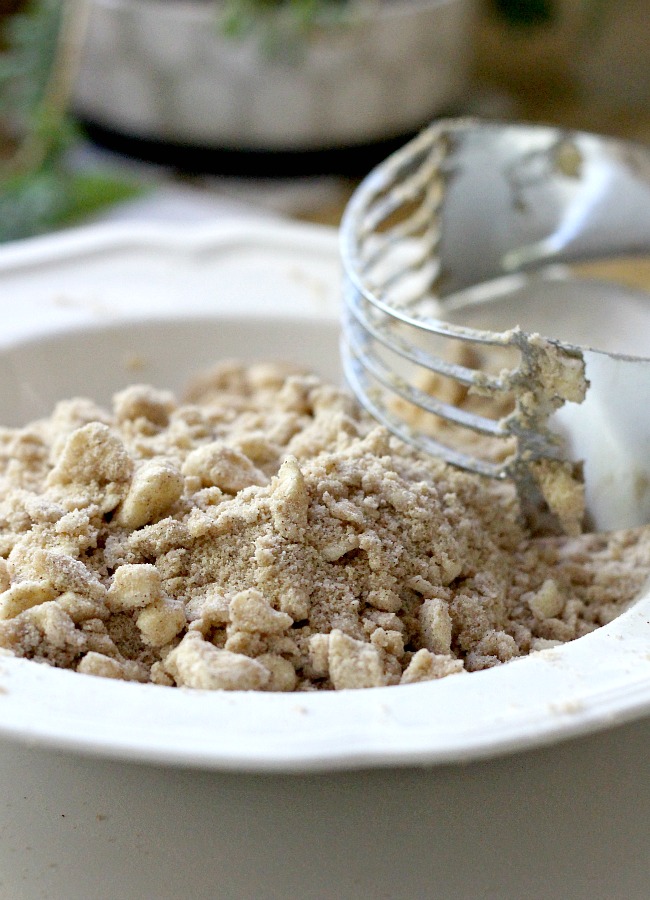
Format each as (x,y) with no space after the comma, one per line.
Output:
(263,534)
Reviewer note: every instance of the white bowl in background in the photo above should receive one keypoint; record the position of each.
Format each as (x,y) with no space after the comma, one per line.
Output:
(91,311)
(162,70)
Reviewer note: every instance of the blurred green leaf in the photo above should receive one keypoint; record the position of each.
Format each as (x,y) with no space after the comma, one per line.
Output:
(38,188)
(51,198)
(89,192)
(283,26)
(29,204)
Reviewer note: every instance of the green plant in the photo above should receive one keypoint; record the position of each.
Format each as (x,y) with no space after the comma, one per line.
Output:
(282,26)
(38,188)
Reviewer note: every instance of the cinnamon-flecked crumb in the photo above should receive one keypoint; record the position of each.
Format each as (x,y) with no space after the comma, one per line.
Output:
(265,534)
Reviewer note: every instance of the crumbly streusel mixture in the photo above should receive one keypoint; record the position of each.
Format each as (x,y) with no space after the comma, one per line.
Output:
(264,534)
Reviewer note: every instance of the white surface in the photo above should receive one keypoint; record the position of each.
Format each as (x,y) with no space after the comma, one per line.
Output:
(566,821)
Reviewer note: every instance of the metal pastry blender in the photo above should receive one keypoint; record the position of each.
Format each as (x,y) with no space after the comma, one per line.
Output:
(459,258)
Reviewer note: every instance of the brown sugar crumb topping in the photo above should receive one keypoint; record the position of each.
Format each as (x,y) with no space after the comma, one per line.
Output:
(264,534)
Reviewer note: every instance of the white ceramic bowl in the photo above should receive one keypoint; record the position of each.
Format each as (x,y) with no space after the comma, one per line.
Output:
(162,70)
(89,312)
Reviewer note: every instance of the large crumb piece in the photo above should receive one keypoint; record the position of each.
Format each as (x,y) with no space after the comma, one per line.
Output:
(352,663)
(196,663)
(93,454)
(161,621)
(134,586)
(155,488)
(266,535)
(94,663)
(436,626)
(250,611)
(427,666)
(563,491)
(24,595)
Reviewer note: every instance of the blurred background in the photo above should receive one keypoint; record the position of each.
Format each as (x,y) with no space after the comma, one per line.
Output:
(183,110)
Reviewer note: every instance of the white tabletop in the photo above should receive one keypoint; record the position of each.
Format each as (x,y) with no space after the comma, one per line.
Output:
(569,821)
